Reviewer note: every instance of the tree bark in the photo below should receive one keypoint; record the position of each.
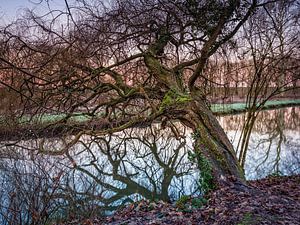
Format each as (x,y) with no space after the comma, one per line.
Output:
(212,142)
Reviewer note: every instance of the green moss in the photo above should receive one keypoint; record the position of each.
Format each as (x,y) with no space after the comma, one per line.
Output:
(203,139)
(208,141)
(275,174)
(173,97)
(186,203)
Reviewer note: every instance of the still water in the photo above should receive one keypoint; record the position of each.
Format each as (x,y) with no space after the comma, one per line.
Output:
(274,146)
(99,174)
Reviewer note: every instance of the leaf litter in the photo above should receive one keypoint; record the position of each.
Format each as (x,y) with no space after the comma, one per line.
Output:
(273,200)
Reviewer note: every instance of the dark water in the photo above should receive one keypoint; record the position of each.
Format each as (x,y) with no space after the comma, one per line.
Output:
(101,173)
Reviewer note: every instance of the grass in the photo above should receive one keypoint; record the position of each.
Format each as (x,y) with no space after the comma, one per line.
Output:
(219,109)
(241,107)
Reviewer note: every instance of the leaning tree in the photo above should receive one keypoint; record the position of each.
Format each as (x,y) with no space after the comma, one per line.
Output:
(124,64)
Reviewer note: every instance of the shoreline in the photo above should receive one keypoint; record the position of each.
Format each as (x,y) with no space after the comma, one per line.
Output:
(52,130)
(272,200)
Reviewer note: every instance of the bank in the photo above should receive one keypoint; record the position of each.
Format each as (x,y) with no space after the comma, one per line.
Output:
(50,125)
(273,200)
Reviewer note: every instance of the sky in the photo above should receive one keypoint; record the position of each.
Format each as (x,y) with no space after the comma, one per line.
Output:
(9,9)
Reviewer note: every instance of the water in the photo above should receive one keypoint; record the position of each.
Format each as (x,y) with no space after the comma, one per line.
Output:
(99,174)
(274,146)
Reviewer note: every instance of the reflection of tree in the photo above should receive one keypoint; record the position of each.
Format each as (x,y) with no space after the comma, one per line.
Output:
(274,142)
(123,165)
(265,121)
(103,173)
(275,135)
(279,148)
(27,189)
(272,67)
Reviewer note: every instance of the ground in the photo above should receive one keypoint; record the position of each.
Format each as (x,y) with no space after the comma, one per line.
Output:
(274,200)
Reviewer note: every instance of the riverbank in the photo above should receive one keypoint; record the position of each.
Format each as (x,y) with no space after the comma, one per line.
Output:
(49,125)
(274,200)
(241,107)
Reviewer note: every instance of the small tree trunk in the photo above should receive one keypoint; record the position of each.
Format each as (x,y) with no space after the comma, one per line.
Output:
(212,142)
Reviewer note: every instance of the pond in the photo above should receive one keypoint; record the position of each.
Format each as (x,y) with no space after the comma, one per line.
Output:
(274,146)
(99,174)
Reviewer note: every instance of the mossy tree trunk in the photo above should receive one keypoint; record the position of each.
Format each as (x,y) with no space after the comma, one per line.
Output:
(186,103)
(212,142)
(192,110)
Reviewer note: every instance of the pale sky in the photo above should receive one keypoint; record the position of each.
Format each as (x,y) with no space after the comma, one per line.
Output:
(9,9)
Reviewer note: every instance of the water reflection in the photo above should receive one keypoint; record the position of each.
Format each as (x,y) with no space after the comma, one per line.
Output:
(274,142)
(101,173)
(147,163)
(27,188)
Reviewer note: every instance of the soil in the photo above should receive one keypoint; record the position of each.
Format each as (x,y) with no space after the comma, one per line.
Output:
(274,200)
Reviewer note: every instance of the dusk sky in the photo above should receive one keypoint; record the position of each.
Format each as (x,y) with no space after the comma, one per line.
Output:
(10,8)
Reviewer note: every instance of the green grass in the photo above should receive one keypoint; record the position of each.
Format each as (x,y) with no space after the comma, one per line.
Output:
(241,107)
(48,118)
(218,109)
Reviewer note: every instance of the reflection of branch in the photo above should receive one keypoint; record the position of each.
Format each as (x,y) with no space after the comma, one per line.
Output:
(277,132)
(129,177)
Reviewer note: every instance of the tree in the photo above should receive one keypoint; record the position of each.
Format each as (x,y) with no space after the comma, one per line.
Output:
(272,67)
(127,64)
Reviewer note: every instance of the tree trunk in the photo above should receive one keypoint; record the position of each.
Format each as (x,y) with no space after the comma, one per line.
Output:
(212,142)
